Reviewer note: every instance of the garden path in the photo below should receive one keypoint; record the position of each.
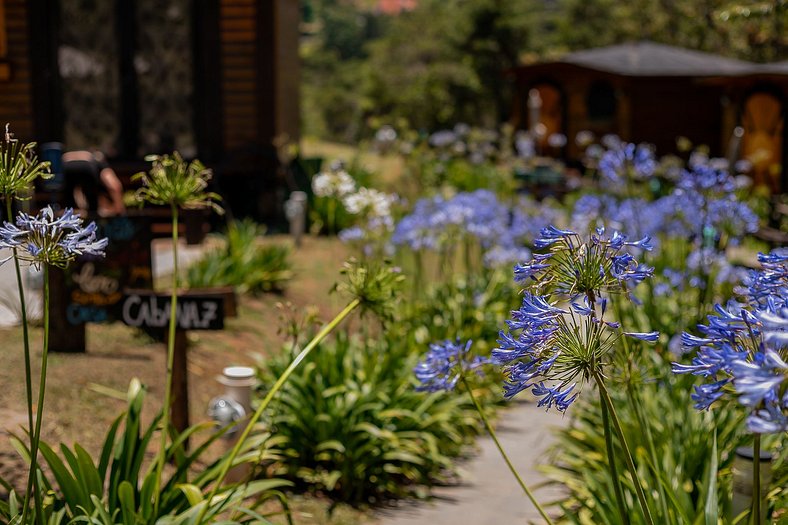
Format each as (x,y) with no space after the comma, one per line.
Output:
(487,492)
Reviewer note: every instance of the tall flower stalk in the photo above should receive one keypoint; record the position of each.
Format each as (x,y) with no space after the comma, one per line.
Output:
(447,364)
(19,169)
(46,241)
(180,185)
(552,350)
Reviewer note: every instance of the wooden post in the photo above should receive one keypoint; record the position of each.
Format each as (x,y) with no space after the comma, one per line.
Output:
(180,383)
(66,336)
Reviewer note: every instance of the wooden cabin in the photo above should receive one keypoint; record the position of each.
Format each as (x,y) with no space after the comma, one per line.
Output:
(215,79)
(649,92)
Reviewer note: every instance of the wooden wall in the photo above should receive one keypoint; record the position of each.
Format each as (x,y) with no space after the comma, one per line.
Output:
(15,87)
(259,71)
(239,72)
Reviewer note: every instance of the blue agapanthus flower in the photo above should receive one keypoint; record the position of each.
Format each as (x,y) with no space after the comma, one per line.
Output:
(548,349)
(575,266)
(742,350)
(444,365)
(625,161)
(55,241)
(499,229)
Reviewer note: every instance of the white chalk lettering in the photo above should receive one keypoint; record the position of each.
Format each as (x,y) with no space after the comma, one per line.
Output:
(138,311)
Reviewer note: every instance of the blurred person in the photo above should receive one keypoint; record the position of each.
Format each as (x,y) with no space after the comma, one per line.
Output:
(91,185)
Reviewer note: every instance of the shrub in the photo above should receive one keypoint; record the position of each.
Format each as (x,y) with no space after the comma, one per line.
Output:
(243,262)
(354,427)
(115,487)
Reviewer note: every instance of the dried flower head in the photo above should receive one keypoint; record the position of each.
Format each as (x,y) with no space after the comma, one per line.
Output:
(174,182)
(375,286)
(19,166)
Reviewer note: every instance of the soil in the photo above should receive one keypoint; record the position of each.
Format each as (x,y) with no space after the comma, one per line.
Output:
(86,391)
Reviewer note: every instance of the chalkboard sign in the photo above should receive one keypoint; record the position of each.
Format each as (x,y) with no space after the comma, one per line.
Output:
(95,285)
(194,311)
(91,289)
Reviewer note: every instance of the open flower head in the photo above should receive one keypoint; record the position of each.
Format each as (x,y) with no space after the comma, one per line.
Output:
(174,182)
(551,349)
(743,349)
(591,267)
(445,364)
(50,240)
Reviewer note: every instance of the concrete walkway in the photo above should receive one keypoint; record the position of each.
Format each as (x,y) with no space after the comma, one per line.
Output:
(488,493)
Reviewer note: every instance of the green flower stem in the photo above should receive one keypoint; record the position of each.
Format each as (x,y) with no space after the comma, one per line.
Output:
(611,461)
(32,480)
(165,419)
(332,216)
(756,480)
(228,461)
(634,398)
(505,457)
(627,453)
(26,345)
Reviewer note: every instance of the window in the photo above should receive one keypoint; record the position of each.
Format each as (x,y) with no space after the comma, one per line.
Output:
(601,102)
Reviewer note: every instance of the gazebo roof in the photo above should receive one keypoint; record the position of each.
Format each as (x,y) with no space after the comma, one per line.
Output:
(649,59)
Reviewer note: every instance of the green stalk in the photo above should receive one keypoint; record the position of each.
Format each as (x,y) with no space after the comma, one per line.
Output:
(165,419)
(332,216)
(756,480)
(28,369)
(636,408)
(327,329)
(505,457)
(611,460)
(627,453)
(32,480)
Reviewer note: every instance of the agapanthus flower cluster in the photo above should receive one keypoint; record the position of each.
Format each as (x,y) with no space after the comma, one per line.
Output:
(705,200)
(445,364)
(333,183)
(369,202)
(19,166)
(625,161)
(434,221)
(742,350)
(50,240)
(500,229)
(549,349)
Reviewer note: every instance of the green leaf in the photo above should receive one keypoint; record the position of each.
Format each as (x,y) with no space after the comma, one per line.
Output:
(127,505)
(73,492)
(331,444)
(192,492)
(93,483)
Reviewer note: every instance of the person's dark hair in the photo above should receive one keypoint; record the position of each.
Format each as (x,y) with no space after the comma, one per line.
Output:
(85,175)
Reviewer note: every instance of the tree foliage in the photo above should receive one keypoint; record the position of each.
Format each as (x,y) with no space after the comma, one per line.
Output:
(448,61)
